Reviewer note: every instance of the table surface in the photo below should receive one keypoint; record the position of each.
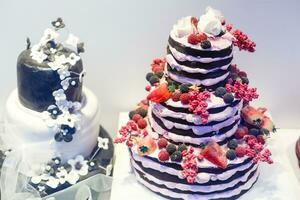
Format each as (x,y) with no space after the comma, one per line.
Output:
(279,181)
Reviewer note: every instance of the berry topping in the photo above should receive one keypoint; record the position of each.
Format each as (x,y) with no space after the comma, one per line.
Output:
(193,39)
(214,154)
(242,91)
(245,80)
(232,144)
(228,98)
(154,79)
(148,88)
(241,132)
(176,156)
(146,146)
(184,88)
(185,99)
(230,154)
(142,112)
(182,147)
(254,132)
(220,92)
(163,155)
(149,75)
(240,151)
(205,44)
(261,139)
(162,143)
(142,123)
(160,94)
(176,96)
(171,148)
(158,65)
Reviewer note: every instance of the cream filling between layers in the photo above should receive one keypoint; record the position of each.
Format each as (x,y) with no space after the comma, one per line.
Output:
(161,111)
(174,65)
(202,177)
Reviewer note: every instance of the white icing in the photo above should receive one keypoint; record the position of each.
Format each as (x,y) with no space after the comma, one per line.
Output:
(205,82)
(197,188)
(226,194)
(202,177)
(211,22)
(183,27)
(174,65)
(187,139)
(183,57)
(161,111)
(30,128)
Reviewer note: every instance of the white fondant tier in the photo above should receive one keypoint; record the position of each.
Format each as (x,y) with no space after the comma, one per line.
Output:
(30,129)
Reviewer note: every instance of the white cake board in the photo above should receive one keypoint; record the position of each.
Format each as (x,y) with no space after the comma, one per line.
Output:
(279,181)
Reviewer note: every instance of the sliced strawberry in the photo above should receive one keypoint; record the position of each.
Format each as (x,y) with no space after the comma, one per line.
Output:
(160,94)
(214,154)
(146,146)
(267,124)
(251,115)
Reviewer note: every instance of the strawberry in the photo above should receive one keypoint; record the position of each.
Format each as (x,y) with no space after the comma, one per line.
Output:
(214,154)
(251,115)
(267,124)
(201,37)
(146,146)
(163,155)
(160,94)
(142,123)
(193,39)
(241,132)
(176,96)
(162,143)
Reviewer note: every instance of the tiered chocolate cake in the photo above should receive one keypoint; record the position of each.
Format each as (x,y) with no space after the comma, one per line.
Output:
(52,121)
(196,136)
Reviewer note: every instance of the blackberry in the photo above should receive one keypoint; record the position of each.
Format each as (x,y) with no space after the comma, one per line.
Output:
(245,80)
(206,44)
(131,113)
(230,154)
(220,92)
(171,148)
(228,98)
(159,74)
(142,112)
(254,132)
(154,79)
(232,144)
(149,75)
(182,147)
(184,88)
(176,156)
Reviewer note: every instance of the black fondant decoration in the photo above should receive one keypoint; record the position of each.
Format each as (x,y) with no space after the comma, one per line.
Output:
(37,82)
(28,42)
(80,48)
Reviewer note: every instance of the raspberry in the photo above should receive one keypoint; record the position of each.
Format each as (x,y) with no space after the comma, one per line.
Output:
(193,39)
(240,151)
(163,155)
(260,139)
(184,98)
(136,117)
(176,96)
(200,157)
(142,123)
(229,27)
(241,132)
(162,143)
(148,88)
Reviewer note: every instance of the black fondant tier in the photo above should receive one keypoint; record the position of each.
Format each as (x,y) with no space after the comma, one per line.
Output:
(37,82)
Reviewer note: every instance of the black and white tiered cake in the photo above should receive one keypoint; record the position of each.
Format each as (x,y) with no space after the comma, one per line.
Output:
(196,136)
(52,132)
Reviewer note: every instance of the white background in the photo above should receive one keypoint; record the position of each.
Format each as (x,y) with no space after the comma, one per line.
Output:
(122,37)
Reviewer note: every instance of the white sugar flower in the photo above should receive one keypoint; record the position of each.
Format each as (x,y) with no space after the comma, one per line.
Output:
(52,182)
(211,22)
(79,167)
(183,27)
(73,58)
(72,40)
(59,95)
(76,106)
(48,179)
(49,34)
(59,62)
(69,119)
(64,105)
(62,175)
(63,73)
(38,55)
(108,170)
(103,143)
(65,83)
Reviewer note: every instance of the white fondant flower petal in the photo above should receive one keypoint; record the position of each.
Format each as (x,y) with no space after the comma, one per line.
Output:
(65,83)
(52,182)
(49,34)
(59,95)
(73,58)
(63,73)
(103,143)
(73,177)
(72,40)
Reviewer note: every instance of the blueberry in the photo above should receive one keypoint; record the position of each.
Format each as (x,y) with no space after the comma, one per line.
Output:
(68,138)
(154,79)
(149,75)
(220,92)
(254,131)
(228,98)
(184,88)
(176,156)
(171,148)
(232,144)
(58,137)
(245,80)
(230,154)
(182,147)
(206,44)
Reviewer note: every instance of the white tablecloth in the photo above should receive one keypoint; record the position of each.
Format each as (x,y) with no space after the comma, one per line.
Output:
(279,181)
